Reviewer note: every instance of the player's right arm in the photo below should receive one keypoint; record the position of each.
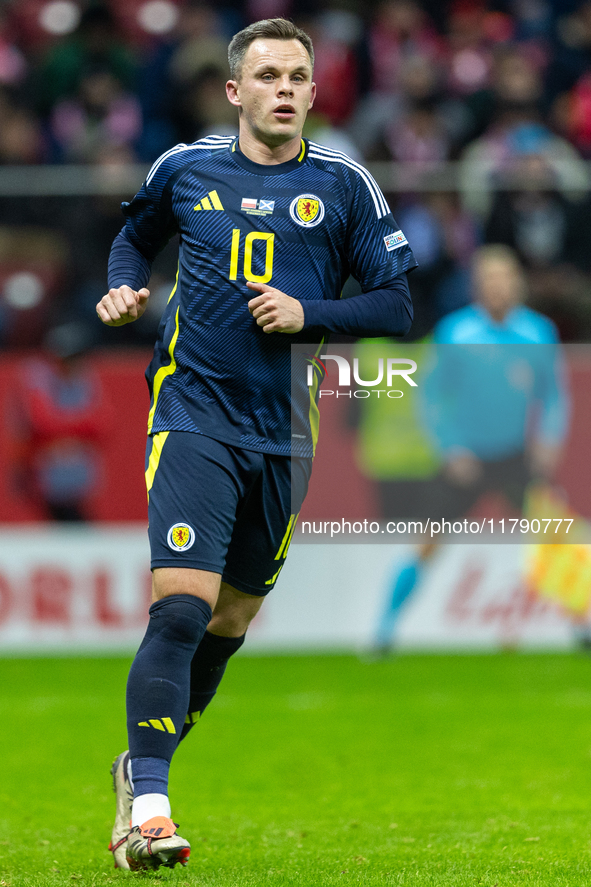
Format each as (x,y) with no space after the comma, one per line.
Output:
(150,224)
(122,305)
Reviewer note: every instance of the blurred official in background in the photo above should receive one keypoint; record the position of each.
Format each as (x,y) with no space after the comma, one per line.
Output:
(495,409)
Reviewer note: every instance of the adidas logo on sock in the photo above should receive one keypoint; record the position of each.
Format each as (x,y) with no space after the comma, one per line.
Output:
(164,724)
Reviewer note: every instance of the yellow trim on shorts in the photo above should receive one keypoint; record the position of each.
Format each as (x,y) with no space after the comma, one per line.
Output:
(282,553)
(284,547)
(157,443)
(274,578)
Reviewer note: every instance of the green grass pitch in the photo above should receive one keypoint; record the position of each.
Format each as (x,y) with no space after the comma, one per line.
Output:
(313,771)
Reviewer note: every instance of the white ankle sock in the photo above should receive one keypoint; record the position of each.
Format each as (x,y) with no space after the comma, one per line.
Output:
(147,806)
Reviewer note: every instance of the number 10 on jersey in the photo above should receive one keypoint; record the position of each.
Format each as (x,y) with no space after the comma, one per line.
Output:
(250,240)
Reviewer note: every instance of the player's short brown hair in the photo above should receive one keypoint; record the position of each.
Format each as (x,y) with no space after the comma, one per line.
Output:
(272,29)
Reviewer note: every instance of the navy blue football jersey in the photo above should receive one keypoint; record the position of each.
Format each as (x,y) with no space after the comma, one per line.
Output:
(303,227)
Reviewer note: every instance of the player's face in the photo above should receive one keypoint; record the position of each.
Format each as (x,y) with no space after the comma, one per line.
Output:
(275,90)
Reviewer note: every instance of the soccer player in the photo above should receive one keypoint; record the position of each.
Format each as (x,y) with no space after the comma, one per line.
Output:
(270,225)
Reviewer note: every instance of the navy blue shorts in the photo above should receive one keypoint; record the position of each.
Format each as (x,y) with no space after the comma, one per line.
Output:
(216,507)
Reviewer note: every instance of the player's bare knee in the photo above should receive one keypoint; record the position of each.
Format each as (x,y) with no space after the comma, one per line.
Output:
(234,612)
(167,581)
(230,625)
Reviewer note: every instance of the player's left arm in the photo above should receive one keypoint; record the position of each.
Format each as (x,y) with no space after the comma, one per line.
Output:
(378,256)
(383,312)
(386,311)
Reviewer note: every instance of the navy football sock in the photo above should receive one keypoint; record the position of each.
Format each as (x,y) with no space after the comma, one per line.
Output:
(150,775)
(158,687)
(207,670)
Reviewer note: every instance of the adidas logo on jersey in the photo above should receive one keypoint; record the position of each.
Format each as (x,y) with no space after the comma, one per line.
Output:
(212,201)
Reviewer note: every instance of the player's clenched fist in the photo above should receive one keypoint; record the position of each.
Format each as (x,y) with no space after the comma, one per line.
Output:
(122,305)
(275,311)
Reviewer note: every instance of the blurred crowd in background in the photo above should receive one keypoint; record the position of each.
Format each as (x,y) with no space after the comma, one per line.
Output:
(474,116)
(499,90)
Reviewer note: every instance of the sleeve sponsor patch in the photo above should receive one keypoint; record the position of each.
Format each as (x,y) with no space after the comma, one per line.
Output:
(393,241)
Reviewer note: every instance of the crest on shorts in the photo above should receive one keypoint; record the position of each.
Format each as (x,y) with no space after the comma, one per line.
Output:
(180,537)
(307,210)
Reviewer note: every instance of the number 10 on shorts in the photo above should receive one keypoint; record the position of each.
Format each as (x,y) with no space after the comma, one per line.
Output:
(250,240)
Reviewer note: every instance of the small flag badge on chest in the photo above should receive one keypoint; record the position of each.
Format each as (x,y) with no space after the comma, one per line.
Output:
(257,207)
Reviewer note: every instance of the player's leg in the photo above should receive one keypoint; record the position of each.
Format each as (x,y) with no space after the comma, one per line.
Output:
(159,681)
(264,525)
(157,695)
(224,636)
(190,528)
(234,612)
